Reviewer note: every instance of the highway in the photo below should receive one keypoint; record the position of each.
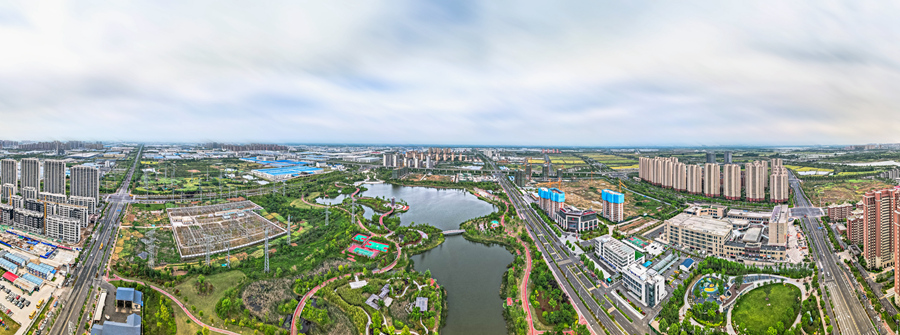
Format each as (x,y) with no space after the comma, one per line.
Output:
(574,282)
(91,261)
(849,314)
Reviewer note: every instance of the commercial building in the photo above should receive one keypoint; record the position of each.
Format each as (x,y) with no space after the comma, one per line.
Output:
(9,172)
(613,205)
(879,216)
(616,253)
(31,173)
(85,182)
(647,285)
(711,179)
(575,220)
(694,179)
(839,212)
(778,185)
(55,176)
(698,233)
(731,181)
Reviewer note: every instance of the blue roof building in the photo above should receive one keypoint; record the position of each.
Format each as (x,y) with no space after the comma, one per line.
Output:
(687,264)
(15,259)
(37,281)
(40,270)
(127,297)
(131,326)
(8,266)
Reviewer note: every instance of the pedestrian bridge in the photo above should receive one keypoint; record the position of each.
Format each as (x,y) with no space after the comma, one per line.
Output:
(453,232)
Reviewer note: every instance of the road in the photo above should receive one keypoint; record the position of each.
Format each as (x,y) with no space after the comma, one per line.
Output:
(91,262)
(848,312)
(574,282)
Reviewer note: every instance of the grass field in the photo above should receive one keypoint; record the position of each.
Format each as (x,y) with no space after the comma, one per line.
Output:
(764,307)
(13,326)
(822,192)
(207,303)
(625,167)
(611,160)
(809,169)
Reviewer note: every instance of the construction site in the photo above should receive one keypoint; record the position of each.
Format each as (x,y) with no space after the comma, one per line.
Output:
(207,230)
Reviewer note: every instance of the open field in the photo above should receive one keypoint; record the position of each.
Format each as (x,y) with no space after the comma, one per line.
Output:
(621,167)
(611,160)
(143,244)
(586,194)
(206,301)
(765,307)
(823,192)
(190,175)
(807,170)
(221,227)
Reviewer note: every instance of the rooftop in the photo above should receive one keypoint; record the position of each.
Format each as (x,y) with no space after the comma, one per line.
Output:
(701,224)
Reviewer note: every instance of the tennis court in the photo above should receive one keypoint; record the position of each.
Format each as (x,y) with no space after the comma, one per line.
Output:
(377,246)
(360,238)
(637,242)
(356,249)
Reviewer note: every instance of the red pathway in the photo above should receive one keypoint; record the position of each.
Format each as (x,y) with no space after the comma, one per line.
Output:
(211,328)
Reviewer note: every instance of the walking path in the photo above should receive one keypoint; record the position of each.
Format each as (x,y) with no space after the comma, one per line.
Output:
(186,311)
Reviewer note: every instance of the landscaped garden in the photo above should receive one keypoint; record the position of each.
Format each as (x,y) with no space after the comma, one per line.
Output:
(772,306)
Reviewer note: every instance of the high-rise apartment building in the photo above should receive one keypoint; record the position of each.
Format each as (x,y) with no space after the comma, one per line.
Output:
(778,229)
(731,181)
(31,173)
(527,171)
(613,205)
(9,172)
(728,157)
(85,182)
(711,179)
(778,184)
(711,157)
(680,175)
(55,176)
(755,173)
(694,179)
(879,214)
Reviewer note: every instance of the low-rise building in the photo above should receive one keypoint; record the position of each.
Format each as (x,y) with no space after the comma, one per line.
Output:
(698,233)
(575,220)
(647,285)
(716,212)
(616,253)
(839,212)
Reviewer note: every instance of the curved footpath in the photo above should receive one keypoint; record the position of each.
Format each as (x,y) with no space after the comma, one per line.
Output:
(186,311)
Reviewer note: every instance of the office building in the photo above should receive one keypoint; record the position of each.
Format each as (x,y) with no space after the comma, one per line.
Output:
(616,253)
(54,176)
(731,181)
(694,180)
(613,205)
(85,182)
(699,233)
(711,179)
(779,188)
(756,173)
(31,173)
(728,157)
(576,221)
(711,157)
(879,212)
(647,285)
(9,172)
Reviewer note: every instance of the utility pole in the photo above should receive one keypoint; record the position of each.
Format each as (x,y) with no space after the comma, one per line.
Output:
(326,215)
(289,231)
(267,251)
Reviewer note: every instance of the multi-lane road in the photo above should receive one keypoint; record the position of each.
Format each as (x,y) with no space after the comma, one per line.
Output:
(848,311)
(581,290)
(92,262)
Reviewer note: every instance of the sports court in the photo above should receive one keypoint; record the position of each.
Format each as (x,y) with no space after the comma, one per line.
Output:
(356,249)
(377,246)
(637,242)
(360,238)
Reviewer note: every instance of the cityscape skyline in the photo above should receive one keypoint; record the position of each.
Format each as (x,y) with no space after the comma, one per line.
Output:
(450,73)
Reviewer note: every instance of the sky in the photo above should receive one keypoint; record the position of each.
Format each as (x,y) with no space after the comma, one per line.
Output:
(455,72)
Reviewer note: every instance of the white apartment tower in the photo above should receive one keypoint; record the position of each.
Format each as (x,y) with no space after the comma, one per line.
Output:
(711,176)
(54,176)
(85,182)
(31,173)
(9,172)
(680,175)
(778,184)
(756,175)
(731,181)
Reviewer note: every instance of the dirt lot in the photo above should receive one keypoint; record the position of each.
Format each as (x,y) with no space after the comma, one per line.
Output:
(262,297)
(586,194)
(823,192)
(419,176)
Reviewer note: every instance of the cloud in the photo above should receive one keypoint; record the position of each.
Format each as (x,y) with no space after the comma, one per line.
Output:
(451,72)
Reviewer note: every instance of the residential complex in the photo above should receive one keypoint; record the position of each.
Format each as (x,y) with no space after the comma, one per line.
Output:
(714,180)
(31,173)
(9,172)
(880,215)
(837,212)
(85,182)
(55,176)
(613,205)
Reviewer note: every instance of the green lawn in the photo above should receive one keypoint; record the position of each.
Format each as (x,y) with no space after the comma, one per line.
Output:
(207,303)
(764,307)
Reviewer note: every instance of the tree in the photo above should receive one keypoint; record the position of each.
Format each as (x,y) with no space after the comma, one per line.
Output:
(772,331)
(201,279)
(663,324)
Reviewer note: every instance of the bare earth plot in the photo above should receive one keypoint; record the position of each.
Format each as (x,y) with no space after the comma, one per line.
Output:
(823,192)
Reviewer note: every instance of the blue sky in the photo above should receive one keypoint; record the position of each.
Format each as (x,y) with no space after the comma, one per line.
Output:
(587,73)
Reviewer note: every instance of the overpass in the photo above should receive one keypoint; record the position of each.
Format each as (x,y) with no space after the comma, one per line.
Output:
(453,232)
